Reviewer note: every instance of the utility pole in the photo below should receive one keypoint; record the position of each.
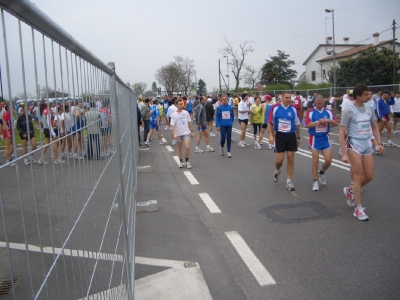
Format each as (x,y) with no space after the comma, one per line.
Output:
(394,52)
(219,74)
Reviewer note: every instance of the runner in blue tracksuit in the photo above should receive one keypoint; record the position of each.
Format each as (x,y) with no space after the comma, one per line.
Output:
(382,111)
(224,118)
(189,107)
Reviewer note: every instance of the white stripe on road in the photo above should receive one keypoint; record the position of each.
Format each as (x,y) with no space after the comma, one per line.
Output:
(169,148)
(252,262)
(190,177)
(176,157)
(212,207)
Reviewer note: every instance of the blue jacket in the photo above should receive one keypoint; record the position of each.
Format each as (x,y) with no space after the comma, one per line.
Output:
(383,107)
(224,116)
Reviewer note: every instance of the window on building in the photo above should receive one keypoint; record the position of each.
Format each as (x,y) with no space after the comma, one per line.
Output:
(312,75)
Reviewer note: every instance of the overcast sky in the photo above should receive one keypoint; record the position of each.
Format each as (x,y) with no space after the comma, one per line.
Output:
(141,36)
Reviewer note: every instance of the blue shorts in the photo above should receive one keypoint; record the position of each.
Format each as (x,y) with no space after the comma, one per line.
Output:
(201,128)
(36,118)
(319,143)
(154,126)
(190,112)
(75,130)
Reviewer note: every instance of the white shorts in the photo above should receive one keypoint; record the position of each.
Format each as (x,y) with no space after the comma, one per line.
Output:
(181,138)
(360,146)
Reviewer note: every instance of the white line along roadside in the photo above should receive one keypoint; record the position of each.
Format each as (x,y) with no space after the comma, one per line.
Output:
(335,162)
(169,148)
(190,177)
(212,207)
(252,262)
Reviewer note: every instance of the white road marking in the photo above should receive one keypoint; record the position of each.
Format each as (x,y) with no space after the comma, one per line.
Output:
(335,162)
(190,177)
(213,208)
(252,262)
(169,148)
(176,157)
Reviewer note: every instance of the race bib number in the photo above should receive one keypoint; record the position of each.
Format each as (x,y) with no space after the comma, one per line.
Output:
(364,126)
(165,105)
(226,115)
(284,126)
(296,102)
(321,128)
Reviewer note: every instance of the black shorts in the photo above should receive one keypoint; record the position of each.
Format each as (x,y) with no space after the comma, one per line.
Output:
(264,126)
(256,128)
(104,131)
(384,116)
(396,115)
(46,132)
(285,142)
(245,121)
(26,138)
(1,121)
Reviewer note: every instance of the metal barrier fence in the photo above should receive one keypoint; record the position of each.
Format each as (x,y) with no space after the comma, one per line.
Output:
(67,227)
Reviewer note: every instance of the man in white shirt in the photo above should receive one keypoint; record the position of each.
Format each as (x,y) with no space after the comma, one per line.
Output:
(244,110)
(182,131)
(170,112)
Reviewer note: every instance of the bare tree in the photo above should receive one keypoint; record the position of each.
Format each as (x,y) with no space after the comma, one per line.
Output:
(168,76)
(251,77)
(186,70)
(236,58)
(139,88)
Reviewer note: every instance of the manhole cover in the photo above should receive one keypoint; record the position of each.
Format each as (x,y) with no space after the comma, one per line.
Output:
(6,286)
(296,213)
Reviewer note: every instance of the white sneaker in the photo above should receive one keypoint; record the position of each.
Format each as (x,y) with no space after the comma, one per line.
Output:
(26,162)
(229,155)
(360,214)
(198,150)
(162,142)
(147,143)
(233,141)
(315,186)
(180,165)
(76,156)
(188,165)
(221,150)
(42,162)
(59,161)
(212,134)
(209,149)
(246,144)
(173,143)
(269,147)
(391,144)
(240,144)
(394,131)
(257,147)
(166,128)
(322,179)
(290,186)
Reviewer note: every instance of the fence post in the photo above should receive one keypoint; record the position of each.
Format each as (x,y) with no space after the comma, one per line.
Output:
(121,204)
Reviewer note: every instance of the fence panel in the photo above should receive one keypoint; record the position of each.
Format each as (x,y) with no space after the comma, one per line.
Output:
(68,178)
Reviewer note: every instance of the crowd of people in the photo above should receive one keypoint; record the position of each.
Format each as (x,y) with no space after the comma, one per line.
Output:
(61,126)
(363,118)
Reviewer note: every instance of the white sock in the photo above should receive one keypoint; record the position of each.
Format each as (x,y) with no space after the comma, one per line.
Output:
(288,180)
(389,141)
(208,146)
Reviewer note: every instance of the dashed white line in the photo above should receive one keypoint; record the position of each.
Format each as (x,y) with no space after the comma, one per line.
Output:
(169,148)
(176,157)
(190,177)
(252,262)
(212,207)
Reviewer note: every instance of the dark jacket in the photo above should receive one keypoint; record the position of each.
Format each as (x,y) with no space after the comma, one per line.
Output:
(209,110)
(22,125)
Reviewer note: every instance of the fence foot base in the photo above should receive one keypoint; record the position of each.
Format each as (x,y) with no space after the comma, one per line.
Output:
(151,205)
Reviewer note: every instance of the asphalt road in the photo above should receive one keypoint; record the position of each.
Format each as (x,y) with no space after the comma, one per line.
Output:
(308,242)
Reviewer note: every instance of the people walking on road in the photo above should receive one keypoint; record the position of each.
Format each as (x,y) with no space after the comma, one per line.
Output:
(244,110)
(182,131)
(357,121)
(266,109)
(256,119)
(224,118)
(92,118)
(145,111)
(166,104)
(26,132)
(8,134)
(172,108)
(283,119)
(201,121)
(210,115)
(319,121)
(154,123)
(383,110)
(396,111)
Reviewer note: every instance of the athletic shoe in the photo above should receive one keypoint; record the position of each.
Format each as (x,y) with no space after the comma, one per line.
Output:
(248,129)
(233,141)
(394,131)
(229,155)
(210,149)
(255,143)
(70,155)
(188,165)
(162,142)
(166,128)
(12,164)
(391,144)
(360,214)
(276,176)
(315,186)
(257,147)
(58,161)
(349,196)
(290,186)
(173,143)
(180,165)
(42,162)
(147,144)
(322,179)
(212,134)
(246,144)
(26,162)
(221,150)
(269,147)
(198,150)
(240,144)
(78,157)
(32,160)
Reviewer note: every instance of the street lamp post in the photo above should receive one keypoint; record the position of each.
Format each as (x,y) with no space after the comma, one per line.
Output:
(331,10)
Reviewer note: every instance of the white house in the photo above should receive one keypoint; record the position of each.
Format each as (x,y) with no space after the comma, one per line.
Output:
(319,63)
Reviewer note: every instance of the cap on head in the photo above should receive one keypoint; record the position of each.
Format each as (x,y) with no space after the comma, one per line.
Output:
(351,92)
(268,97)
